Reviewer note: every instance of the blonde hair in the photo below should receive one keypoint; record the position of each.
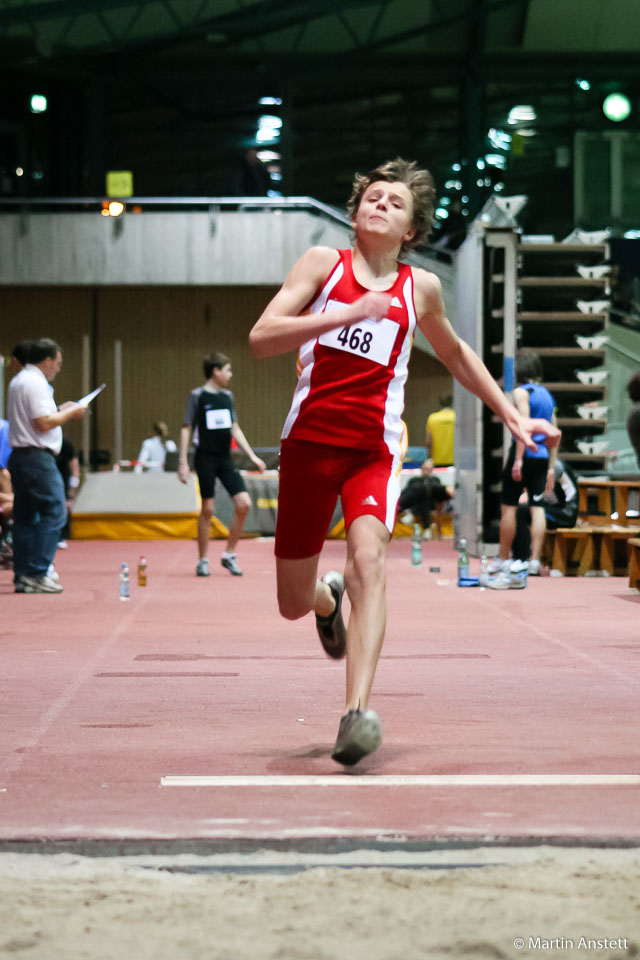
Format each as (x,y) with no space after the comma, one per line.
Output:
(420,184)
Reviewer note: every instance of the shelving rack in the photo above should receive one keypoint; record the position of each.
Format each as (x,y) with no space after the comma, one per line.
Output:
(510,295)
(548,284)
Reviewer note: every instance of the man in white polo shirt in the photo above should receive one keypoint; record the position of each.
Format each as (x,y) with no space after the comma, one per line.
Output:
(35,435)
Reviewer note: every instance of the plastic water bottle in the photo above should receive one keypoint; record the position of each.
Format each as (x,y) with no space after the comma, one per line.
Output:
(483,579)
(416,546)
(125,586)
(463,561)
(142,572)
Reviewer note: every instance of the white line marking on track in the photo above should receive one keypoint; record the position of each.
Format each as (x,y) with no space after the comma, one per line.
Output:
(429,780)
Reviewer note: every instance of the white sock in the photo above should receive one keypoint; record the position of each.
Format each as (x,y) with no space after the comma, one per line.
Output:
(227,556)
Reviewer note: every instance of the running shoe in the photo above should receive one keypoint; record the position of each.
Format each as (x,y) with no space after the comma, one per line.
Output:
(43,584)
(359,734)
(508,581)
(496,565)
(534,568)
(331,629)
(229,563)
(202,568)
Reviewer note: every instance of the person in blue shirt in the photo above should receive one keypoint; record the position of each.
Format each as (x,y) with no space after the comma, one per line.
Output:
(5,447)
(6,495)
(525,469)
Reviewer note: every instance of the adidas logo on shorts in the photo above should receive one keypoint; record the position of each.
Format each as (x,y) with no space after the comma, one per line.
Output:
(369,502)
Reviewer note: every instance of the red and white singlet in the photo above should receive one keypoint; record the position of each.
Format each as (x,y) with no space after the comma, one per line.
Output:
(350,389)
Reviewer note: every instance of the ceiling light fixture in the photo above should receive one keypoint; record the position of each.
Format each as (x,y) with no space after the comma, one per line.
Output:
(38,103)
(522,113)
(616,107)
(112,208)
(268,129)
(499,139)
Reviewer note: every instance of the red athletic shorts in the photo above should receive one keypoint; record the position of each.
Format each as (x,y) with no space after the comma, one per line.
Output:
(313,476)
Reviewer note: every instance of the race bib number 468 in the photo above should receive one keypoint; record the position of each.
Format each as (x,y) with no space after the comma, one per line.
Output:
(369,339)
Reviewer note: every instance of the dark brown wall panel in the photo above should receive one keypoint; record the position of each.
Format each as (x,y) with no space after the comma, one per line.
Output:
(165,332)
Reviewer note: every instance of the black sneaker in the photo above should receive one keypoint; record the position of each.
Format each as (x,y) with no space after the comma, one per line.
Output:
(359,734)
(229,563)
(331,630)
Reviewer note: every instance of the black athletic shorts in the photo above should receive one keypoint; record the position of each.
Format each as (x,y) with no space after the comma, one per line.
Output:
(534,480)
(211,465)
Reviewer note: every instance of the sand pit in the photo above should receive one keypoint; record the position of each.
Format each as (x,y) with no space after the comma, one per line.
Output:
(482,903)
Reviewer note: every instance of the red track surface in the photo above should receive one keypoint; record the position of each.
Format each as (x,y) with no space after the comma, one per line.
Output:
(101,699)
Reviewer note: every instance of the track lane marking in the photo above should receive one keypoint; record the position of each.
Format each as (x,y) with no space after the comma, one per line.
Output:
(399,780)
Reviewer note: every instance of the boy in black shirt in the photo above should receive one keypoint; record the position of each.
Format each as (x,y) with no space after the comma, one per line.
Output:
(211,416)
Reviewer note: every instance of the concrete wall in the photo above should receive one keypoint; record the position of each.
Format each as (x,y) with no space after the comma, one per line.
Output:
(202,247)
(256,247)
(219,246)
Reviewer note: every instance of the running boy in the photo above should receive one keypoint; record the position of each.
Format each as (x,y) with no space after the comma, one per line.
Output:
(351,315)
(212,417)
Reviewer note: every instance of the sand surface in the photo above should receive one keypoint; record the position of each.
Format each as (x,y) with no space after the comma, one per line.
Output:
(476,903)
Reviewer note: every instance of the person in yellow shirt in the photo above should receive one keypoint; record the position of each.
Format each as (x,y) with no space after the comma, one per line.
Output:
(440,433)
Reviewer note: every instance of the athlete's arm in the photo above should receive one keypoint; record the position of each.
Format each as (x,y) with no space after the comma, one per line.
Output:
(523,406)
(428,440)
(551,470)
(245,446)
(183,465)
(466,366)
(281,328)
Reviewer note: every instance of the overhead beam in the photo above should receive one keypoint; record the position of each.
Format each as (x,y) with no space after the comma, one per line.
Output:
(266,17)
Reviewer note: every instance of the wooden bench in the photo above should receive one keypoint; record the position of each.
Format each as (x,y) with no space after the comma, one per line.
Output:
(613,495)
(613,554)
(633,545)
(571,550)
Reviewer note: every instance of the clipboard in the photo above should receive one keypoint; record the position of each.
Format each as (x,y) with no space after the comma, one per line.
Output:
(85,401)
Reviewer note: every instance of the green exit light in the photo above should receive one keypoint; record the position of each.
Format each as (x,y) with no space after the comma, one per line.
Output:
(616,107)
(38,103)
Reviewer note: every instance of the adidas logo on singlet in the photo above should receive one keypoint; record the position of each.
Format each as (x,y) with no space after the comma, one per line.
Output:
(395,302)
(369,502)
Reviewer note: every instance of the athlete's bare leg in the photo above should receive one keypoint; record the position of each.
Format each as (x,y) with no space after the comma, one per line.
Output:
(300,591)
(538,527)
(242,504)
(507,530)
(204,525)
(365,582)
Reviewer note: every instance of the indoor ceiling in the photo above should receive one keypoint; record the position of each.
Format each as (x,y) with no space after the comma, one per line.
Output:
(170,90)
